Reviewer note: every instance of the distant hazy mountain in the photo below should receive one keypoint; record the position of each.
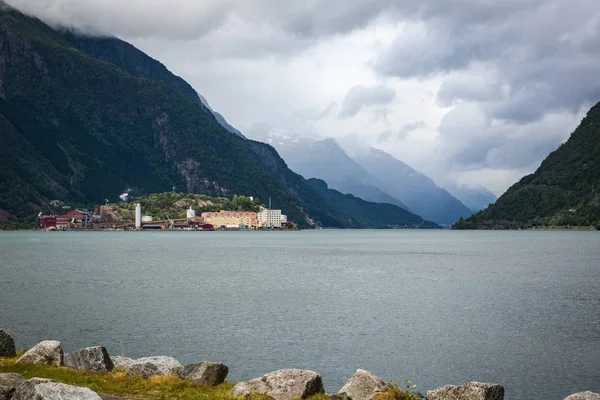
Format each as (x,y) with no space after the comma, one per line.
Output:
(325,159)
(476,198)
(417,191)
(365,214)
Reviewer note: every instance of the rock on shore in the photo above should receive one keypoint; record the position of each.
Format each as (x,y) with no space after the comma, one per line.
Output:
(122,362)
(95,359)
(46,389)
(284,384)
(205,373)
(470,391)
(47,352)
(9,382)
(363,385)
(155,366)
(7,345)
(584,396)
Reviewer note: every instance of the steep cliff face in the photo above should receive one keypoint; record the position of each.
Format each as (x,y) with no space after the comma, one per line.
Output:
(564,191)
(84,129)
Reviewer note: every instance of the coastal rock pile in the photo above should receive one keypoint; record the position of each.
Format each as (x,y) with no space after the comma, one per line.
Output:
(284,384)
(47,389)
(94,359)
(154,366)
(7,345)
(47,352)
(363,385)
(205,373)
(470,391)
(584,396)
(9,382)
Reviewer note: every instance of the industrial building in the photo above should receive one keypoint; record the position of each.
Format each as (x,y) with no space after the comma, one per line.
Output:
(268,218)
(231,219)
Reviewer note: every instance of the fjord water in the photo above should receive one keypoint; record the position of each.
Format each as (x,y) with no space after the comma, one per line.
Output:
(436,307)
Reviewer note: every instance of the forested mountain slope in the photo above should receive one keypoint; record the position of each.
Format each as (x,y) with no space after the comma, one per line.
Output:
(83,129)
(564,191)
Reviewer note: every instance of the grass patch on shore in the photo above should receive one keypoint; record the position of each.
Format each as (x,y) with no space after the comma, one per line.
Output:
(118,384)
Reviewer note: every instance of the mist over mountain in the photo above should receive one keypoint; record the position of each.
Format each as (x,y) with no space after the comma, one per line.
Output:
(476,198)
(417,191)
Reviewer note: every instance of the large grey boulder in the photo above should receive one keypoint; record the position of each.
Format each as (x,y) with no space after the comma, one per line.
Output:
(584,396)
(249,388)
(9,382)
(46,389)
(205,373)
(285,384)
(470,391)
(46,352)
(363,385)
(155,366)
(94,359)
(122,362)
(7,345)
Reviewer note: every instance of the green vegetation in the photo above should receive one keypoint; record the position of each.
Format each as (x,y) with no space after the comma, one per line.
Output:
(162,206)
(84,119)
(564,191)
(364,214)
(117,383)
(395,393)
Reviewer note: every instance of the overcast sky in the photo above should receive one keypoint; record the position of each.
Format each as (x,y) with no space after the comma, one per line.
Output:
(471,91)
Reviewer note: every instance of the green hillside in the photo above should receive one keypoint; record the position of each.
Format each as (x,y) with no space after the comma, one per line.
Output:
(364,214)
(564,191)
(82,129)
(162,206)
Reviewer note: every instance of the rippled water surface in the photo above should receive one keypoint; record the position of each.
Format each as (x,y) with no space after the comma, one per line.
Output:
(435,307)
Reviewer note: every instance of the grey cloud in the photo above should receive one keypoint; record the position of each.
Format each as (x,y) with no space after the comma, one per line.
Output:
(385,136)
(186,19)
(468,139)
(360,96)
(173,19)
(315,114)
(411,127)
(402,133)
(470,87)
(543,54)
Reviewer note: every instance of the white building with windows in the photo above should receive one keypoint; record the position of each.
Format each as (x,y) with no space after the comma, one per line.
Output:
(269,218)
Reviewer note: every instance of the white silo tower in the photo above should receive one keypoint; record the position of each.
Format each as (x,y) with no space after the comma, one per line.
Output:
(138,216)
(191,213)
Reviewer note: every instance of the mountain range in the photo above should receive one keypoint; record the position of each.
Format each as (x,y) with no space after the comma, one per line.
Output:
(83,119)
(564,191)
(370,174)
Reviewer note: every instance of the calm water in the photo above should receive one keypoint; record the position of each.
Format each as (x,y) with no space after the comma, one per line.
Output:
(438,307)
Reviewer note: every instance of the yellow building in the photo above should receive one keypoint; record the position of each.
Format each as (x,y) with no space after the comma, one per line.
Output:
(232,219)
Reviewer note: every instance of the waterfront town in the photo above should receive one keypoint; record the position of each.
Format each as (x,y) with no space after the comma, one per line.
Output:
(102,218)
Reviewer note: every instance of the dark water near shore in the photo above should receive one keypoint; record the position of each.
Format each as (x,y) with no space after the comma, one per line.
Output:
(438,307)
